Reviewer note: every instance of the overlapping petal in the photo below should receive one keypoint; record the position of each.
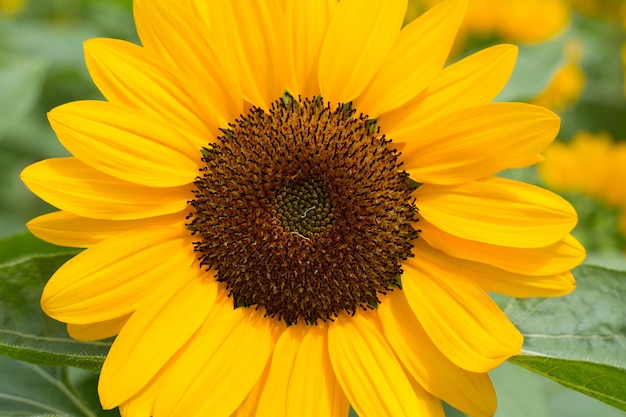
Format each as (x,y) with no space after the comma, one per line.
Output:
(125,144)
(469,392)
(67,229)
(155,333)
(306,25)
(471,330)
(254,36)
(479,141)
(75,187)
(194,52)
(142,403)
(367,369)
(301,380)
(130,75)
(413,63)
(112,278)
(97,331)
(492,279)
(250,404)
(472,81)
(224,359)
(498,211)
(553,259)
(358,40)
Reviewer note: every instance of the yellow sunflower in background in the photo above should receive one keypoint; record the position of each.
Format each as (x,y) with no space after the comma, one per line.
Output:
(512,20)
(594,151)
(568,82)
(11,7)
(288,207)
(604,174)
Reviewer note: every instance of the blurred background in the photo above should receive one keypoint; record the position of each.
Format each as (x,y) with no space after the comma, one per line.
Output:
(572,60)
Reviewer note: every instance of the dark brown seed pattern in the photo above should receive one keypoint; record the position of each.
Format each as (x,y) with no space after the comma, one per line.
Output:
(303,211)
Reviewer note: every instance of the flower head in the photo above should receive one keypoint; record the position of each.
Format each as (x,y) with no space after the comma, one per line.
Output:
(290,207)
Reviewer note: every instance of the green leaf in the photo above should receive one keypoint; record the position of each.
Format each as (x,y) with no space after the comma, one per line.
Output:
(26,333)
(578,340)
(535,67)
(603,382)
(32,390)
(23,244)
(21,82)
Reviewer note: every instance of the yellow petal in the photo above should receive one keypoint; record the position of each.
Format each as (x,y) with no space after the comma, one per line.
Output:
(250,405)
(218,368)
(498,211)
(477,142)
(129,75)
(75,187)
(142,403)
(273,399)
(124,143)
(554,259)
(472,81)
(492,279)
(367,368)
(67,229)
(155,333)
(301,380)
(111,279)
(256,41)
(360,35)
(97,331)
(429,405)
(460,318)
(189,46)
(307,22)
(469,392)
(413,62)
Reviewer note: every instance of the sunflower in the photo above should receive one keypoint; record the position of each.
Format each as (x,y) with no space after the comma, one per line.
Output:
(511,20)
(600,154)
(567,83)
(599,193)
(289,208)
(11,7)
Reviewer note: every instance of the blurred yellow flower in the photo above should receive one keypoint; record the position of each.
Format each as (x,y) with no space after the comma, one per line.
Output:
(567,84)
(512,20)
(10,7)
(563,167)
(593,165)
(598,8)
(529,20)
(623,18)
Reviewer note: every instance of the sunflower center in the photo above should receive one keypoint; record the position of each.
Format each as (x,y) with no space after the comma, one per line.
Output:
(304,208)
(303,211)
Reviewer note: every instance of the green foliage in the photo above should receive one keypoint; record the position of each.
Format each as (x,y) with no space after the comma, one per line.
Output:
(21,82)
(578,340)
(603,382)
(27,386)
(32,390)
(26,333)
(536,65)
(25,244)
(42,66)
